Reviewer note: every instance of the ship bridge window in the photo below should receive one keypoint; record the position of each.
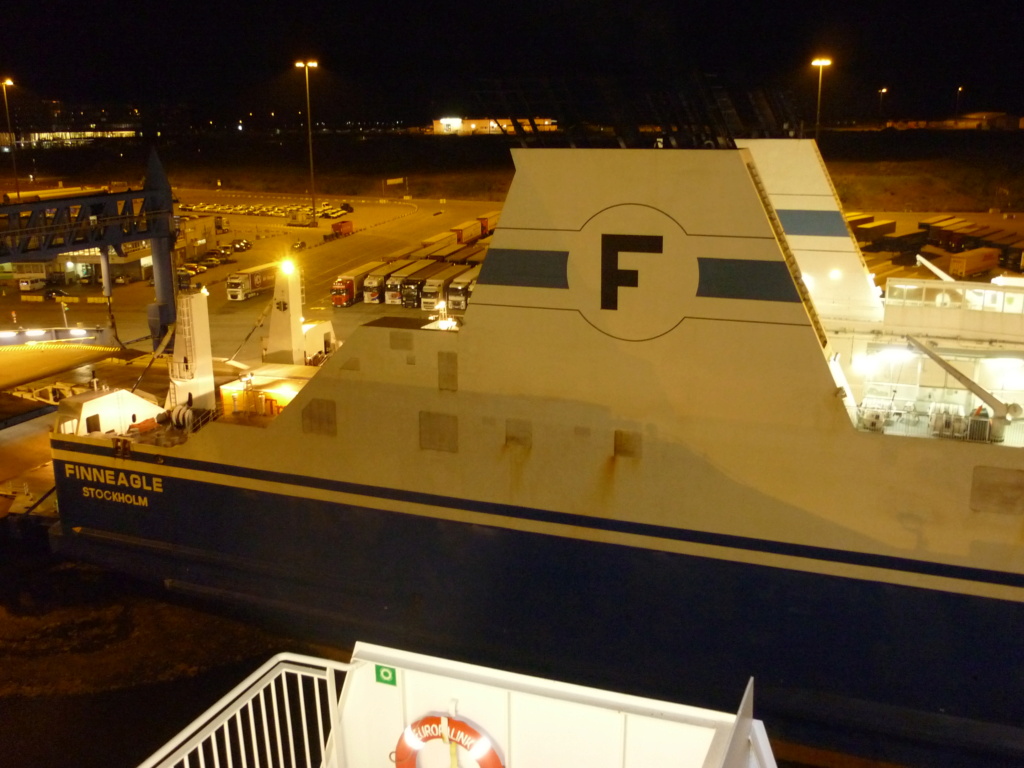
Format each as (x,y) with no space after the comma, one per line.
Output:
(976,300)
(519,432)
(628,443)
(448,371)
(1013,303)
(439,432)
(401,340)
(67,426)
(907,294)
(320,417)
(993,301)
(997,490)
(943,297)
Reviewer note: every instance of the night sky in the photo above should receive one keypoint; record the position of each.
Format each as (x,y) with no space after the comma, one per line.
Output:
(400,59)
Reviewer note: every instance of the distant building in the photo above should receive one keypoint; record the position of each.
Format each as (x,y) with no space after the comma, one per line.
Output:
(50,122)
(464,126)
(972,121)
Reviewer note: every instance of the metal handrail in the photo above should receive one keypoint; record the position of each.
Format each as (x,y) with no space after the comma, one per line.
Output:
(262,719)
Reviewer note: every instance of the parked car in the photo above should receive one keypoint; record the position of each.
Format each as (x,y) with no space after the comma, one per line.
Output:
(194,268)
(124,279)
(346,207)
(210,261)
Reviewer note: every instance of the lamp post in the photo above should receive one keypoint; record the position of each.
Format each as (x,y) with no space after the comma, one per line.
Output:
(14,144)
(306,65)
(956,110)
(820,64)
(881,99)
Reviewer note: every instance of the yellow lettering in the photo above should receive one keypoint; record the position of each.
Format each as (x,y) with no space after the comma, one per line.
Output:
(118,497)
(117,478)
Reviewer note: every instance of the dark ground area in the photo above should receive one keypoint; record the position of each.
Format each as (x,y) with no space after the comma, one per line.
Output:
(99,670)
(887,170)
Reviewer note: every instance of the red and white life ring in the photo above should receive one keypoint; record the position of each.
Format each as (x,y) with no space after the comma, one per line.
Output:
(452,731)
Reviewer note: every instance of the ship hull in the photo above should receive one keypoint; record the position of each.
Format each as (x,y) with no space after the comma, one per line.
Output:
(839,661)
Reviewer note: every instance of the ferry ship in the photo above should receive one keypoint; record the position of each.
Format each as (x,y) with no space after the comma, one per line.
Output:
(643,458)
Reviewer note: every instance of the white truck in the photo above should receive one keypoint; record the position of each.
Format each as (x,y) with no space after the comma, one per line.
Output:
(435,289)
(461,288)
(250,282)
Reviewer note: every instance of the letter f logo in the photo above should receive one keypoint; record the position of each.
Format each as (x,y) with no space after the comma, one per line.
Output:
(611,276)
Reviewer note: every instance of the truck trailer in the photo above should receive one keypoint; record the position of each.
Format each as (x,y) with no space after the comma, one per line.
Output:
(250,282)
(373,286)
(402,253)
(439,241)
(468,231)
(974,262)
(393,283)
(413,285)
(461,288)
(488,222)
(449,253)
(348,286)
(435,289)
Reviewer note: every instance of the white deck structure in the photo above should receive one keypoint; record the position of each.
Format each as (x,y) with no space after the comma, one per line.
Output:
(416,711)
(801,192)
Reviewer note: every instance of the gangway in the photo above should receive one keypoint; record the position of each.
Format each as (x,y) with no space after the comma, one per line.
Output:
(39,226)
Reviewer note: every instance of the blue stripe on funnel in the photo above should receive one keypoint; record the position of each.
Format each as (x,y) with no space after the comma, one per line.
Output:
(525,269)
(814,223)
(719,278)
(740,279)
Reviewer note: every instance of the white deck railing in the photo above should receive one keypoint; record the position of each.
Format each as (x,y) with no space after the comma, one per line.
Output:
(281,715)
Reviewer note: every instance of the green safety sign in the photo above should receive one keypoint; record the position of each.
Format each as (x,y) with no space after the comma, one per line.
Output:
(387,675)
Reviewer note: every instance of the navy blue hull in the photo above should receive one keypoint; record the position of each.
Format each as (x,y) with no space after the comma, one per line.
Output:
(835,659)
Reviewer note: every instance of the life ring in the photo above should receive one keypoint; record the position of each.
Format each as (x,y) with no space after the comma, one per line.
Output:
(452,731)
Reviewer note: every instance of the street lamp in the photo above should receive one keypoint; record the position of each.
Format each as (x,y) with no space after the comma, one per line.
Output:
(14,144)
(306,65)
(881,97)
(820,64)
(956,111)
